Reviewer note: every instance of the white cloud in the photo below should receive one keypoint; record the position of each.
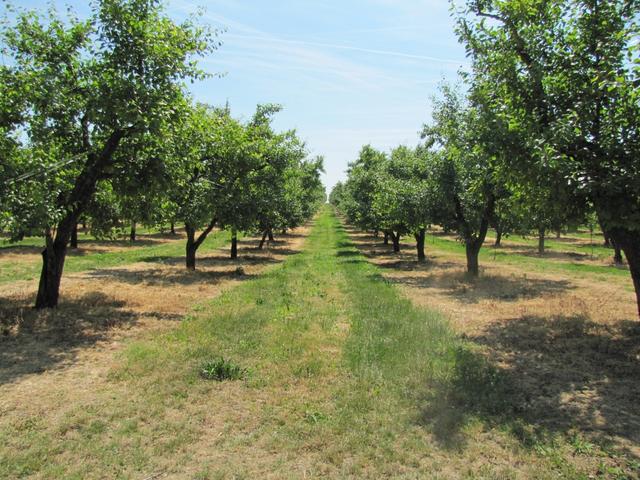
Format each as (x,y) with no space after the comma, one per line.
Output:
(351,48)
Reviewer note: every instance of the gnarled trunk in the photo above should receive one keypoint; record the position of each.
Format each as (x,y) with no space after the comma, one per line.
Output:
(420,241)
(194,243)
(53,257)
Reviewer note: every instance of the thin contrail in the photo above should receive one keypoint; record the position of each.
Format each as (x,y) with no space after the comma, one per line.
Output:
(347,47)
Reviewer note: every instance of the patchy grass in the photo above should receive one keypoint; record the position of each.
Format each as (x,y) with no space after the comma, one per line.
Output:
(573,260)
(346,379)
(23,261)
(567,346)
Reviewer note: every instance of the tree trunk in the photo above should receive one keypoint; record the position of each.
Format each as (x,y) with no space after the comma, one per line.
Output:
(396,242)
(264,237)
(52,265)
(386,238)
(473,251)
(194,243)
(498,241)
(473,244)
(192,248)
(617,256)
(84,187)
(558,234)
(541,234)
(173,228)
(234,243)
(271,236)
(420,241)
(132,234)
(629,242)
(73,243)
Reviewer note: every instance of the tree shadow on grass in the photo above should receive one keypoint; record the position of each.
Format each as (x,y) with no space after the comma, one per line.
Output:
(494,287)
(85,247)
(33,341)
(348,253)
(210,260)
(164,277)
(449,277)
(542,376)
(19,249)
(256,257)
(232,268)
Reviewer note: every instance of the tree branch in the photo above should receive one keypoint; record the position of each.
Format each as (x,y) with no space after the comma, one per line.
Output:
(205,232)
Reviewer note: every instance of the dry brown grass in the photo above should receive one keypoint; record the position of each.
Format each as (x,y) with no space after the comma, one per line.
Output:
(571,345)
(74,345)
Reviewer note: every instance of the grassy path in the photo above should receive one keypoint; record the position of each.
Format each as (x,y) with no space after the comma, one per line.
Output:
(79,262)
(344,379)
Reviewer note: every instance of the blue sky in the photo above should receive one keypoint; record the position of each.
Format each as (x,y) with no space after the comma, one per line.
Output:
(347,72)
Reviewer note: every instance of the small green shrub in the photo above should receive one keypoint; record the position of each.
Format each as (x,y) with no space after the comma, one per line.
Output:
(222,369)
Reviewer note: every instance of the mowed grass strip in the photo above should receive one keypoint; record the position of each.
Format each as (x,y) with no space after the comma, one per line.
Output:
(341,378)
(79,261)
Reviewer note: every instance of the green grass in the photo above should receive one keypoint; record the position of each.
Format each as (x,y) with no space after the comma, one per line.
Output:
(342,378)
(79,262)
(567,244)
(536,263)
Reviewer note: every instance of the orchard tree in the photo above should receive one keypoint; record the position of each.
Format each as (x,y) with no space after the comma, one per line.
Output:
(402,202)
(338,196)
(361,186)
(197,146)
(278,190)
(565,74)
(251,157)
(464,169)
(91,87)
(301,195)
